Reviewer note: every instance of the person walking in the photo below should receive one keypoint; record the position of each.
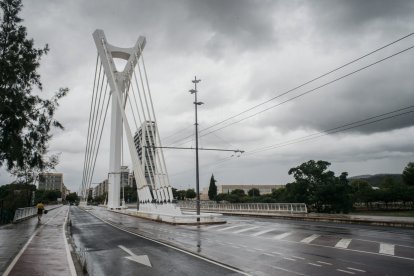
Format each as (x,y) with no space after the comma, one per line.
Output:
(40,208)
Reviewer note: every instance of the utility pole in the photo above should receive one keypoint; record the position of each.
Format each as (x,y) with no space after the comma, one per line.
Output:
(196,103)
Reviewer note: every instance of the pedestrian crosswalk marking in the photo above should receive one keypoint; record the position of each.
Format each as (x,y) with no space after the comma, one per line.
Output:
(310,238)
(282,236)
(386,248)
(343,243)
(230,227)
(244,230)
(262,232)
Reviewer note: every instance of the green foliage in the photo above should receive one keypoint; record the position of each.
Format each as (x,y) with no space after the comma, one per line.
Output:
(190,193)
(254,192)
(212,189)
(15,196)
(408,174)
(26,120)
(130,194)
(72,197)
(47,196)
(238,192)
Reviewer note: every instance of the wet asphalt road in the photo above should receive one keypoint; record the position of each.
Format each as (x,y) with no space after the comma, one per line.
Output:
(281,247)
(106,250)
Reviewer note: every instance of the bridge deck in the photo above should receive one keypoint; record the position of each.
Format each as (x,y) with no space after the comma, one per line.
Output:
(43,247)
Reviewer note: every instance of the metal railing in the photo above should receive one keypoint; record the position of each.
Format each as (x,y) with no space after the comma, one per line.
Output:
(258,208)
(24,213)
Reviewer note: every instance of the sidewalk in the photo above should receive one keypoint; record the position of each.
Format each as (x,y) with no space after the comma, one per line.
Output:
(30,248)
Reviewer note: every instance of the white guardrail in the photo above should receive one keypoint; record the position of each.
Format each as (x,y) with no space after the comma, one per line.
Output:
(23,213)
(28,212)
(267,208)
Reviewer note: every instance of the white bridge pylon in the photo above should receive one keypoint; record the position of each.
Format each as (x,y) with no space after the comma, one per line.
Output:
(147,158)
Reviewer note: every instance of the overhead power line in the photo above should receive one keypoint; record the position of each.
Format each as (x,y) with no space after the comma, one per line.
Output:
(295,97)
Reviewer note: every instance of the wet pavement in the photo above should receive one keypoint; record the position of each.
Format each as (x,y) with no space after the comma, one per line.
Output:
(264,246)
(110,251)
(33,248)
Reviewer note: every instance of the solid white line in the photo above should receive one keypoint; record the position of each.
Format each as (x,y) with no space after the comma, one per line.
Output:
(290,259)
(230,227)
(345,271)
(282,236)
(343,243)
(318,265)
(173,247)
(323,263)
(386,248)
(262,232)
(287,270)
(68,255)
(13,263)
(310,238)
(356,269)
(244,230)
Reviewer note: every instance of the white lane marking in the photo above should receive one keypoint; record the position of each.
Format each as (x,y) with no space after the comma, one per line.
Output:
(142,259)
(244,230)
(356,269)
(214,226)
(386,248)
(298,257)
(172,247)
(68,255)
(13,263)
(267,254)
(262,232)
(287,270)
(282,236)
(343,243)
(277,253)
(310,238)
(318,265)
(323,263)
(230,227)
(290,259)
(345,271)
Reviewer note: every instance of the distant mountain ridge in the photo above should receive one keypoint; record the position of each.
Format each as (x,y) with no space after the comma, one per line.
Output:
(377,179)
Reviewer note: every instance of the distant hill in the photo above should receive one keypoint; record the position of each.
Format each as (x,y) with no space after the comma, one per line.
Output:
(377,179)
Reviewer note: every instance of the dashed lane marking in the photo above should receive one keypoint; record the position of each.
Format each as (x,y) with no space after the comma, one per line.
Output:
(282,236)
(290,259)
(386,248)
(244,230)
(325,263)
(298,257)
(356,269)
(318,265)
(345,271)
(262,232)
(287,270)
(343,243)
(310,238)
(267,254)
(214,226)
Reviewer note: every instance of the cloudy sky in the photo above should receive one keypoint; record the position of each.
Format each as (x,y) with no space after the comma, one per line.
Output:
(245,52)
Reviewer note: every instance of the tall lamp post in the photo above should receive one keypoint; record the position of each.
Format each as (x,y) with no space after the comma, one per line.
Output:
(196,103)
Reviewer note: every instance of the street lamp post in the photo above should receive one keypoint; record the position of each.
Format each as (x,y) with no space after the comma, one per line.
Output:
(196,103)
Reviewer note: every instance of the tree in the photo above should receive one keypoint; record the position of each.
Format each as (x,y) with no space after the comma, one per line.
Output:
(254,192)
(72,197)
(238,192)
(26,119)
(190,193)
(212,189)
(408,174)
